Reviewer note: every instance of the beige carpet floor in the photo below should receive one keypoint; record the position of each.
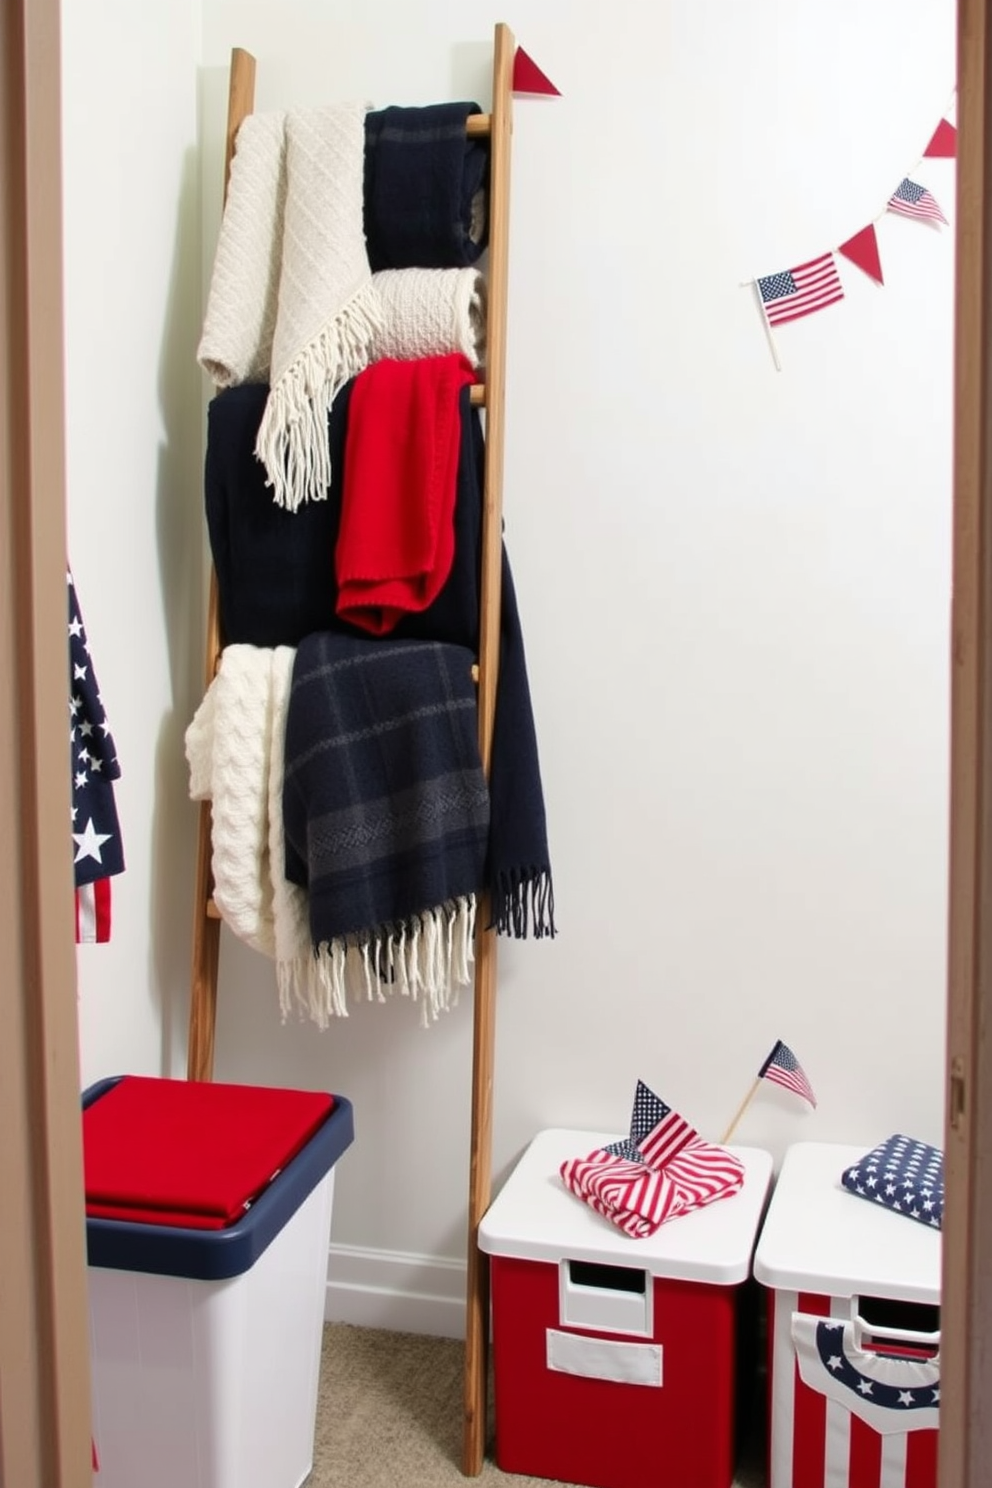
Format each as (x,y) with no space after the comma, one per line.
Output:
(389,1415)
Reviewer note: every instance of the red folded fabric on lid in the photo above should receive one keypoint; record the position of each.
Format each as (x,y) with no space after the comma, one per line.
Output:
(176,1218)
(396,536)
(190,1153)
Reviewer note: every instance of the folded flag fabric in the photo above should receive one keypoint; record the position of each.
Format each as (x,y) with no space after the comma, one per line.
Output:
(396,540)
(905,1175)
(425,187)
(662,1170)
(191,1153)
(292,287)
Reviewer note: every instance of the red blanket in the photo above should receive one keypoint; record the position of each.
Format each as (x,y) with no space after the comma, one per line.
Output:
(180,1152)
(396,539)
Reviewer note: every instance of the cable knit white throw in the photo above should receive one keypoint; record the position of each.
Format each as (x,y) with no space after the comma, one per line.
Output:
(235,751)
(293,221)
(431,312)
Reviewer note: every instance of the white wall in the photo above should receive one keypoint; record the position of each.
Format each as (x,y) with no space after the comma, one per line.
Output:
(734,582)
(132,293)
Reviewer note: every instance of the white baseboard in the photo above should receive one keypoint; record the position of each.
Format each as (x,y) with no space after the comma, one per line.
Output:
(392,1289)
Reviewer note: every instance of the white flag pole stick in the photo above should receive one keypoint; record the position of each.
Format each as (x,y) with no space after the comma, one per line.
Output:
(768,329)
(740,1112)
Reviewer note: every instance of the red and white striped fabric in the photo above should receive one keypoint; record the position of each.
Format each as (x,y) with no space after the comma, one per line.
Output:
(842,1417)
(93,912)
(654,1176)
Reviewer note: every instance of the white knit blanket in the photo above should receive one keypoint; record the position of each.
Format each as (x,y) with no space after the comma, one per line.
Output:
(235,751)
(431,312)
(291,289)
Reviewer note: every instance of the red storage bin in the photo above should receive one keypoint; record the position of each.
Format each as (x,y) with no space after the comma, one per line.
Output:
(614,1358)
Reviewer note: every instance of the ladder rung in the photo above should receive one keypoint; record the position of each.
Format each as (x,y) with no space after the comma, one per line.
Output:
(479,124)
(478,395)
(213,913)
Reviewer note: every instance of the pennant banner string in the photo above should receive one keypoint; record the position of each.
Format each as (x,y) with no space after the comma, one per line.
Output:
(794,293)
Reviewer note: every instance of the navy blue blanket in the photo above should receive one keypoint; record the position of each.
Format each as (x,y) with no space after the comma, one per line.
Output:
(425,188)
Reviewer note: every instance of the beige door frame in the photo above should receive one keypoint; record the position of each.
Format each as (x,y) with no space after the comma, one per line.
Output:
(966,1383)
(44,1366)
(44,1351)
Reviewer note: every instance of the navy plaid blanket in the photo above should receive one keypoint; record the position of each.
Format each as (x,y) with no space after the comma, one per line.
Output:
(385,804)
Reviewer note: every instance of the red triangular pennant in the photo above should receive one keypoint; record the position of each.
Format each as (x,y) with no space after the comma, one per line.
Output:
(528,77)
(862,250)
(944,145)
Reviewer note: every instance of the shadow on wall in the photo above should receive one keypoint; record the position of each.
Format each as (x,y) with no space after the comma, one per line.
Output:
(179,528)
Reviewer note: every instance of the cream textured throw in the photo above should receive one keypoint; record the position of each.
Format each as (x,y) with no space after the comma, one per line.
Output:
(236,344)
(431,312)
(232,744)
(235,750)
(294,220)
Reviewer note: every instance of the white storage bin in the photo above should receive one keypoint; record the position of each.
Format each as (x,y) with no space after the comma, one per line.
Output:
(205,1343)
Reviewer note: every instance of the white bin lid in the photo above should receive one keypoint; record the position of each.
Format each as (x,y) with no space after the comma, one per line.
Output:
(535,1218)
(818,1237)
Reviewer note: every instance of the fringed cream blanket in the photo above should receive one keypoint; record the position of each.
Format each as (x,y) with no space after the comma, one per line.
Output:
(292,292)
(235,750)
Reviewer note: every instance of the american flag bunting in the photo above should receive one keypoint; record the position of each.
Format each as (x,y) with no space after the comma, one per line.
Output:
(843,1416)
(783,1068)
(793,293)
(910,199)
(663,1169)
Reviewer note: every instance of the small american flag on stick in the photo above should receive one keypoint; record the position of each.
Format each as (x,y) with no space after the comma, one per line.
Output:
(783,1068)
(797,292)
(910,199)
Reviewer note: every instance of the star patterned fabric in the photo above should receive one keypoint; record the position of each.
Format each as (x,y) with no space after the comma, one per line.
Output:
(905,1175)
(97,849)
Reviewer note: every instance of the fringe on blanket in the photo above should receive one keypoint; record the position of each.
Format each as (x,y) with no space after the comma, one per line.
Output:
(292,439)
(523,902)
(426,958)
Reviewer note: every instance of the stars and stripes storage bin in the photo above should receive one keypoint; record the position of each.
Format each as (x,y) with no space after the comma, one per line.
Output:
(614,1358)
(207,1229)
(854,1332)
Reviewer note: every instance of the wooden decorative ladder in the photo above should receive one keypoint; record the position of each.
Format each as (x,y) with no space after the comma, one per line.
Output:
(206,925)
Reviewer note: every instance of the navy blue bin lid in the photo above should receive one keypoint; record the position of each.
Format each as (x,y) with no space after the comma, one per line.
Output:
(216,1254)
